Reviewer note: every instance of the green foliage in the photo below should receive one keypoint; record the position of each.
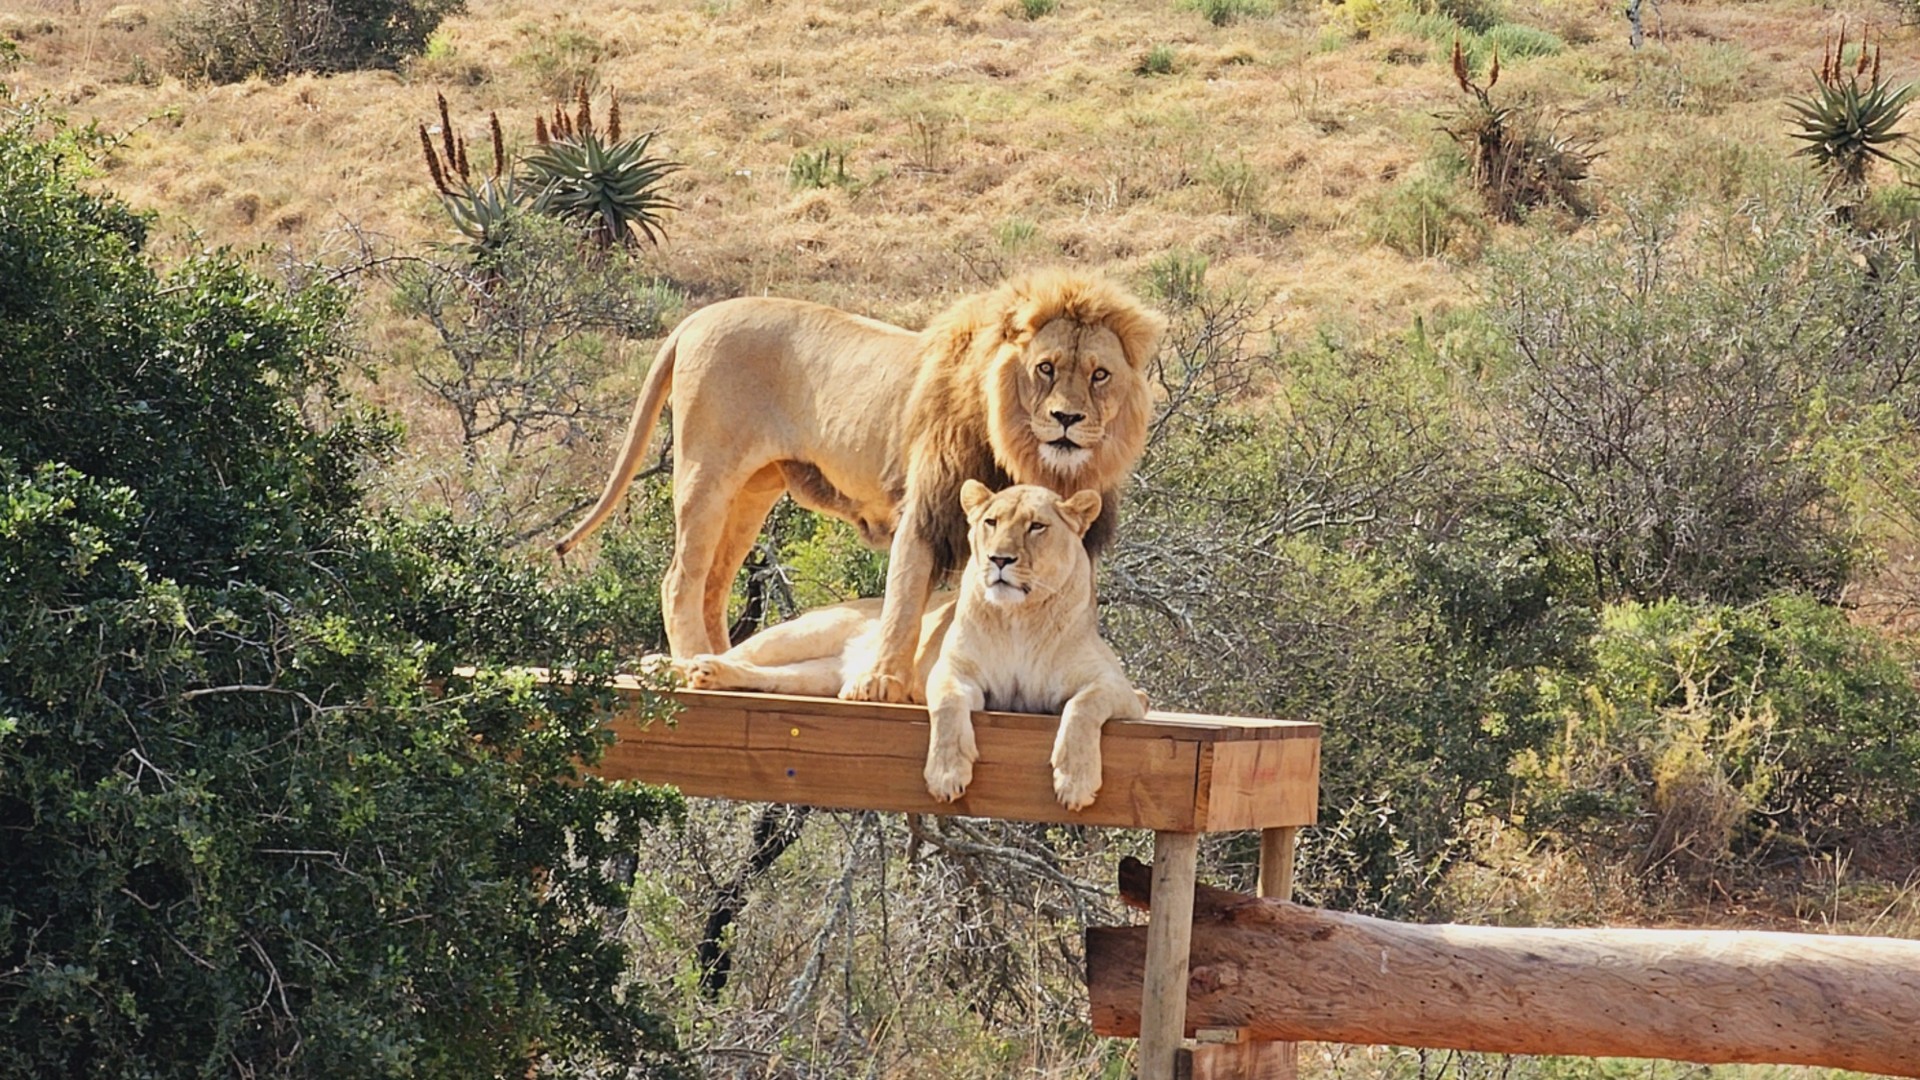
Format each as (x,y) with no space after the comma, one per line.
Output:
(1706,732)
(1037,9)
(1227,12)
(226,41)
(825,167)
(523,341)
(1517,41)
(256,822)
(1667,388)
(1338,555)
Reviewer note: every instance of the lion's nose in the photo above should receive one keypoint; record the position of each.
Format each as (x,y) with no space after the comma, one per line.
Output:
(1068,419)
(1002,561)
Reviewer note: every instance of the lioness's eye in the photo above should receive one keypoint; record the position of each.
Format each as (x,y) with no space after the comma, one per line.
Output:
(989,522)
(1037,527)
(1100,375)
(1045,369)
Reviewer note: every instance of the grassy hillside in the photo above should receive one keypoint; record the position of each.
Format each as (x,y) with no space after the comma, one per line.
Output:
(974,140)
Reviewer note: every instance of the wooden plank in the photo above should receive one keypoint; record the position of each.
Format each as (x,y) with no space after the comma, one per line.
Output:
(1260,784)
(856,755)
(1286,972)
(1157,725)
(1163,984)
(1148,785)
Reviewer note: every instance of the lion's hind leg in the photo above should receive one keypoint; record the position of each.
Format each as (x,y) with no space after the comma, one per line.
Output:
(693,595)
(806,678)
(744,517)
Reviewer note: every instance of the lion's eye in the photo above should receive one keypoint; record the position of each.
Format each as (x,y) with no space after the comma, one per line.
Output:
(1045,369)
(1101,375)
(1037,527)
(988,522)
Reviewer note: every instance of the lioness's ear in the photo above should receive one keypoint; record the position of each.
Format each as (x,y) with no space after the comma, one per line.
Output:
(1081,510)
(973,496)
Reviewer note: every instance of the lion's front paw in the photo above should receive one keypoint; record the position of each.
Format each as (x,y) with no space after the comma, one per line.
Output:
(948,774)
(876,686)
(1076,776)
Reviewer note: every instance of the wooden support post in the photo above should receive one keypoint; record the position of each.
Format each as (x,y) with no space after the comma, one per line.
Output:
(1163,993)
(1276,862)
(1243,1058)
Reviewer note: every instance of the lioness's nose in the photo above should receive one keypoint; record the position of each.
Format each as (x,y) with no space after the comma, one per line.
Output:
(1002,561)
(1068,419)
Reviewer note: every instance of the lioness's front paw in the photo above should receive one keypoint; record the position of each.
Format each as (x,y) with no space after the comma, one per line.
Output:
(1075,791)
(876,686)
(1076,777)
(948,775)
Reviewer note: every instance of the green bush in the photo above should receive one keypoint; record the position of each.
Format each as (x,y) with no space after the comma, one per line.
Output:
(1665,385)
(256,823)
(229,40)
(1706,731)
(1338,555)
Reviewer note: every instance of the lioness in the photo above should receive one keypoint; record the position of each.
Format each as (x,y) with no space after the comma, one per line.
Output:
(1038,381)
(1020,635)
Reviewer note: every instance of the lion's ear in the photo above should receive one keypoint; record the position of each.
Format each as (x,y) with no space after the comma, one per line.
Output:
(973,496)
(1081,510)
(1142,339)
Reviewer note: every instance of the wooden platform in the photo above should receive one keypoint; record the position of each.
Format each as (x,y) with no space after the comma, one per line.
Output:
(1177,774)
(1172,772)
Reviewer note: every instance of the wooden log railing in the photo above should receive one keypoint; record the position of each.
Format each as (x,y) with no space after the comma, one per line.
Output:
(1276,970)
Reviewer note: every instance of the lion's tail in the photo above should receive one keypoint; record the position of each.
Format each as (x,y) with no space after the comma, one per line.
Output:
(646,413)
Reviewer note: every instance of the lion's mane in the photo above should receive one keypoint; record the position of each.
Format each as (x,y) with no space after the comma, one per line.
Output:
(968,386)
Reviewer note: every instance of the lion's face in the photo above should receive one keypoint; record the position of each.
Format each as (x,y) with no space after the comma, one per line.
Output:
(1074,381)
(1026,541)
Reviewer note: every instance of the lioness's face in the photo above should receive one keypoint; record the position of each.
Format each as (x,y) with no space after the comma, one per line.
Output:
(1075,379)
(1026,540)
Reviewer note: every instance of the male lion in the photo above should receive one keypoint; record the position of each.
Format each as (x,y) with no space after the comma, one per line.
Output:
(1038,381)
(1021,635)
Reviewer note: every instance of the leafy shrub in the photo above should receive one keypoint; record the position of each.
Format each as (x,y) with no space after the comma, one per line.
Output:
(256,822)
(229,40)
(1337,555)
(1707,732)
(1668,387)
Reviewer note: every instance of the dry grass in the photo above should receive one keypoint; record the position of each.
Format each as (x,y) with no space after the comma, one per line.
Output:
(1261,151)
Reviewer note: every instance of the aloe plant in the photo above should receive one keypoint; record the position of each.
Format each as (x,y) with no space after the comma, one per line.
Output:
(611,188)
(1850,118)
(607,186)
